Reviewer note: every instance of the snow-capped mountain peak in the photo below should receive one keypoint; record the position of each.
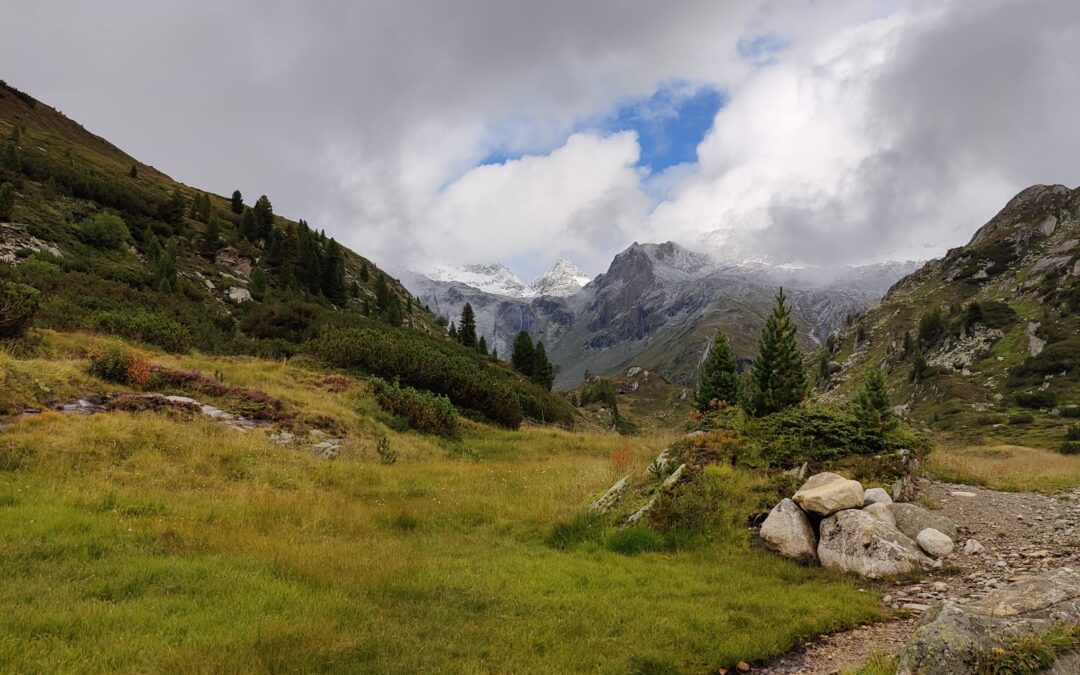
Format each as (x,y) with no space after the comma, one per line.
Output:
(563,279)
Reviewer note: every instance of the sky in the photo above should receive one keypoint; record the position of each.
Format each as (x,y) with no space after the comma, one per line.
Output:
(420,132)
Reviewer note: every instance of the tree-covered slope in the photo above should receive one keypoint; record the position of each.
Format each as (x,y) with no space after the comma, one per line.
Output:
(985,340)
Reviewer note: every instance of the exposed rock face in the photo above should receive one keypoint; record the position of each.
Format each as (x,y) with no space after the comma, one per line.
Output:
(611,496)
(230,259)
(237,294)
(787,531)
(826,493)
(950,638)
(876,496)
(855,541)
(935,543)
(912,519)
(882,513)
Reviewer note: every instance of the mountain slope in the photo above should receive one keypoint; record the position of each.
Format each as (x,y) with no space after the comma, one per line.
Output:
(996,322)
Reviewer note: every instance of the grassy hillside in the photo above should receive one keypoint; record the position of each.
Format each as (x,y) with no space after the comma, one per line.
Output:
(983,343)
(165,540)
(115,246)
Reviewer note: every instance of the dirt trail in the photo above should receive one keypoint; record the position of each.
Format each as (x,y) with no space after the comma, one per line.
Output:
(1021,533)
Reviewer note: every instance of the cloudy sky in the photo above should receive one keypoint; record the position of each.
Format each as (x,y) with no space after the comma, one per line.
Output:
(424,131)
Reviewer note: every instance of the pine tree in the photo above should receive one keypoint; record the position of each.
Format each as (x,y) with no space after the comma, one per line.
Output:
(522,356)
(543,373)
(248,226)
(333,273)
(173,210)
(354,289)
(164,269)
(719,378)
(452,332)
(364,273)
(918,366)
(871,405)
(7,200)
(264,217)
(237,202)
(467,326)
(382,293)
(213,237)
(777,379)
(11,159)
(494,353)
(909,345)
(258,284)
(133,172)
(482,346)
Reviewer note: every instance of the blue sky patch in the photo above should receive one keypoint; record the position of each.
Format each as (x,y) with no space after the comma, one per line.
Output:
(669,124)
(761,50)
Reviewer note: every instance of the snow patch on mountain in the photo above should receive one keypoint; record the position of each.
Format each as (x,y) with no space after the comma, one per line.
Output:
(562,280)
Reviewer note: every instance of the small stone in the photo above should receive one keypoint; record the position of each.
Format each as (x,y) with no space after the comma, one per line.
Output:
(940,586)
(914,607)
(743,667)
(973,547)
(961,493)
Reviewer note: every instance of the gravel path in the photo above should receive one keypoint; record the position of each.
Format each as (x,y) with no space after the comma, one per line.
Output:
(1021,534)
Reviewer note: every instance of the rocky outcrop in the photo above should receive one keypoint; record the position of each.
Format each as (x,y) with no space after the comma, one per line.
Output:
(826,493)
(787,531)
(912,519)
(854,541)
(611,496)
(952,637)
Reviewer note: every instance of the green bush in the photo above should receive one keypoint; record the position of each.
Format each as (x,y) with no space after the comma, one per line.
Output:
(18,305)
(105,230)
(1062,356)
(112,365)
(1070,448)
(1021,418)
(1070,411)
(1036,399)
(144,326)
(7,200)
(1073,433)
(634,540)
(424,411)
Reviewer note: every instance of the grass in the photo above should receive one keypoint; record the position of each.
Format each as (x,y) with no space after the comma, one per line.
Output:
(1030,654)
(1006,467)
(138,542)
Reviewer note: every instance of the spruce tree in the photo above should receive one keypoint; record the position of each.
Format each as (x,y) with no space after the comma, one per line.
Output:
(364,273)
(482,346)
(522,356)
(382,293)
(452,332)
(719,378)
(258,284)
(7,200)
(494,353)
(237,202)
(543,373)
(264,217)
(249,227)
(164,269)
(467,326)
(871,405)
(213,237)
(393,314)
(133,172)
(777,380)
(333,275)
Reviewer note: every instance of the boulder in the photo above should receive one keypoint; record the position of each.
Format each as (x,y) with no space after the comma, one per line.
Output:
(640,513)
(882,513)
(611,496)
(951,637)
(826,493)
(855,541)
(787,531)
(934,543)
(876,496)
(973,547)
(912,519)
(675,477)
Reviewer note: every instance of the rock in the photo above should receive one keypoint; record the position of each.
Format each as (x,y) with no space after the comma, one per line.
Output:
(675,477)
(611,496)
(742,667)
(903,489)
(854,541)
(876,496)
(959,493)
(935,543)
(973,547)
(799,471)
(912,519)
(914,607)
(640,513)
(787,531)
(951,638)
(826,493)
(882,513)
(1035,343)
(237,294)
(636,370)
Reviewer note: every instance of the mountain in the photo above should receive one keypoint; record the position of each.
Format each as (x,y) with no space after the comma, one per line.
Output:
(563,279)
(658,306)
(996,321)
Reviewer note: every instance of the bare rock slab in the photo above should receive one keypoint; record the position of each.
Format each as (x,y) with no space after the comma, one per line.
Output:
(912,519)
(787,531)
(855,541)
(611,496)
(827,493)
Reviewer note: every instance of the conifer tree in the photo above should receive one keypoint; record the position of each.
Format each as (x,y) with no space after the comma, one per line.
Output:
(777,379)
(164,269)
(7,200)
(871,405)
(354,289)
(382,293)
(719,378)
(364,273)
(237,202)
(173,210)
(11,159)
(467,326)
(494,353)
(482,346)
(452,332)
(522,356)
(264,217)
(258,283)
(248,226)
(133,172)
(333,273)
(393,314)
(543,373)
(213,237)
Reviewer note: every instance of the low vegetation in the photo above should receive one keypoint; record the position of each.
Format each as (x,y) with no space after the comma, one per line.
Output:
(1005,467)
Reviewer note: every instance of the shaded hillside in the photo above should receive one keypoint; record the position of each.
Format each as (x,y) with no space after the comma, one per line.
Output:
(113,245)
(985,340)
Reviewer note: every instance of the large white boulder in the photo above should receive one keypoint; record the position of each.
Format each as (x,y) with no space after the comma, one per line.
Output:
(787,531)
(855,541)
(912,519)
(826,493)
(935,543)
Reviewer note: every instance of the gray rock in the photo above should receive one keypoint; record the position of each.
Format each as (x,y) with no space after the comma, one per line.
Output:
(827,493)
(882,513)
(855,541)
(973,547)
(912,519)
(787,531)
(950,639)
(237,294)
(675,477)
(934,543)
(876,496)
(611,496)
(640,513)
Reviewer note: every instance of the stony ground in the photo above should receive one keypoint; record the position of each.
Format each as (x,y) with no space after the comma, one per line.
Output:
(1020,534)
